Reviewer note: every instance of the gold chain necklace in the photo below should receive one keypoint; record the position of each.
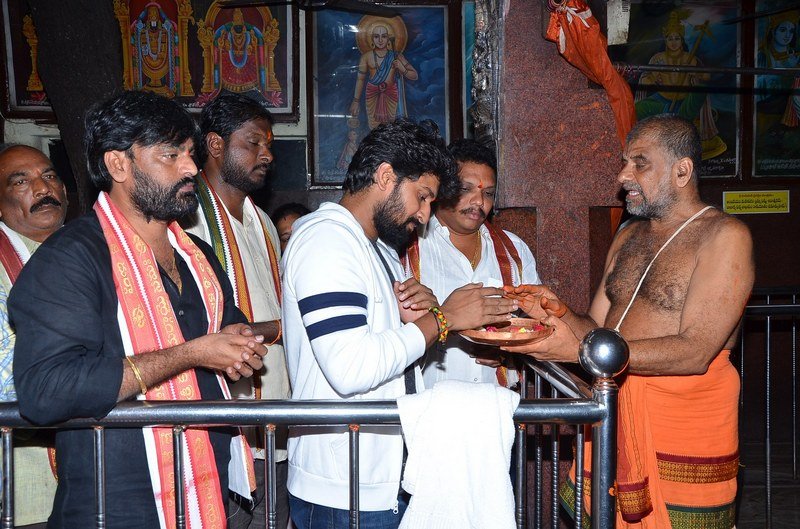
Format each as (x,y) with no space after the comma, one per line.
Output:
(476,256)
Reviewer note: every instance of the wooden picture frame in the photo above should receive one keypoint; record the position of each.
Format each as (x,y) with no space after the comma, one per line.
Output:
(186,50)
(427,40)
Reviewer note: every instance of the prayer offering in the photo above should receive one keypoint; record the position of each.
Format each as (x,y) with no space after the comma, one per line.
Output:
(516,331)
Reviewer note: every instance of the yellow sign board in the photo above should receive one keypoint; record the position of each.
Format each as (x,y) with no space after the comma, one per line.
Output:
(744,202)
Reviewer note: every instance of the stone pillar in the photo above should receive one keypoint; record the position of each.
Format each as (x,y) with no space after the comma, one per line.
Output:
(558,155)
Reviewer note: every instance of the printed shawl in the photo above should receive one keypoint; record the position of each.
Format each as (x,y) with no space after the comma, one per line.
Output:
(226,248)
(148,323)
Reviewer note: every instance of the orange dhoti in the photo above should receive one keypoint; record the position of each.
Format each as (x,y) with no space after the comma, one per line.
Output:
(678,450)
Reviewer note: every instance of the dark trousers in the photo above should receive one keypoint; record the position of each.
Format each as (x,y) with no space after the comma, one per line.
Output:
(242,516)
(307,515)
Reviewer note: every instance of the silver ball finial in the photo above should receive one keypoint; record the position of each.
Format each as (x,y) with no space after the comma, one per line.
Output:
(604,353)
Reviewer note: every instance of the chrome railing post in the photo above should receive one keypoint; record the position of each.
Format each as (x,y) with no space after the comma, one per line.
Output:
(177,460)
(100,477)
(537,432)
(8,479)
(604,354)
(270,479)
(354,470)
(521,467)
(554,460)
(579,470)
(520,475)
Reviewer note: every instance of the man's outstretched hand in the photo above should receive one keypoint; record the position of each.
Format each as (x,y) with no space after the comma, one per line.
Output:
(537,301)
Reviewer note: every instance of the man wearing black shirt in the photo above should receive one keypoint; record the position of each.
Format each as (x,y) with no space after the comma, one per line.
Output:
(122,303)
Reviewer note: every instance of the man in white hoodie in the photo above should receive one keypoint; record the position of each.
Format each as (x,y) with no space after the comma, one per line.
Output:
(353,329)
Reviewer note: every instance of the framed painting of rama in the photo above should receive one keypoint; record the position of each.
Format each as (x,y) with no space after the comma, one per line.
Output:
(693,34)
(368,69)
(187,50)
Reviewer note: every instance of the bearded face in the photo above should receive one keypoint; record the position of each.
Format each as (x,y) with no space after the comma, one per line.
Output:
(393,225)
(162,203)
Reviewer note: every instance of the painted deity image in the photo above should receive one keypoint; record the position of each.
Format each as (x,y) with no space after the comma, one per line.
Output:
(155,42)
(239,51)
(777,135)
(155,45)
(687,36)
(371,70)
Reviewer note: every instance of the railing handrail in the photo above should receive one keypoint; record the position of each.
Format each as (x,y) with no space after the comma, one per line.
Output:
(775,291)
(782,309)
(566,382)
(293,412)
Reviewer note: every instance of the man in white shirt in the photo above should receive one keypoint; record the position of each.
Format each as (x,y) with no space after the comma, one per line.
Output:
(352,329)
(33,205)
(458,247)
(235,154)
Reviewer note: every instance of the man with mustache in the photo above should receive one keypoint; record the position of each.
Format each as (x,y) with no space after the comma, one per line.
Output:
(676,282)
(459,246)
(354,331)
(122,303)
(236,133)
(33,204)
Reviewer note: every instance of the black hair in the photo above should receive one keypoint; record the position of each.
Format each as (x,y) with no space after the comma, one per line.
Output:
(467,150)
(226,114)
(290,208)
(412,149)
(132,118)
(677,135)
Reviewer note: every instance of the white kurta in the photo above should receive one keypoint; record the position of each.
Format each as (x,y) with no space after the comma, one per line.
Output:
(263,298)
(443,268)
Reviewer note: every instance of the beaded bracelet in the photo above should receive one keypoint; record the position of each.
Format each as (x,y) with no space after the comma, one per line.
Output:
(441,323)
(137,375)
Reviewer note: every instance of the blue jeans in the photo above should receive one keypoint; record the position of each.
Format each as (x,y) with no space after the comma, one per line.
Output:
(307,515)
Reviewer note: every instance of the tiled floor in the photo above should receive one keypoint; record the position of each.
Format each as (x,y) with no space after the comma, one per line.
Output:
(785,489)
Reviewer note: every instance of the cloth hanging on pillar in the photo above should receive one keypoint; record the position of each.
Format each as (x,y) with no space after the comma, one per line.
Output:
(581,43)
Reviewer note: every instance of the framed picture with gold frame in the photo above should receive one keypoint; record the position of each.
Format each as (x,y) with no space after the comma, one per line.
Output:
(187,50)
(364,70)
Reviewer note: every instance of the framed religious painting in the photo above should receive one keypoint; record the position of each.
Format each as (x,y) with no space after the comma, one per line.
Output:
(191,50)
(371,68)
(776,127)
(691,33)
(468,44)
(23,95)
(187,50)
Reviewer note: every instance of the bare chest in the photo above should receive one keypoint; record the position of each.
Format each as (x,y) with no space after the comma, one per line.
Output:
(667,282)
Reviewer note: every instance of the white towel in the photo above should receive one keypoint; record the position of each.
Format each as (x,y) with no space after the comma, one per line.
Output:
(459,437)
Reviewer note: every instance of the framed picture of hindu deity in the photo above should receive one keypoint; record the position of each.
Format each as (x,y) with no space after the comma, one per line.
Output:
(24,95)
(186,50)
(688,34)
(367,69)
(776,129)
(193,50)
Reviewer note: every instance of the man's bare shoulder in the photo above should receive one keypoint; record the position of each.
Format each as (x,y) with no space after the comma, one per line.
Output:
(720,227)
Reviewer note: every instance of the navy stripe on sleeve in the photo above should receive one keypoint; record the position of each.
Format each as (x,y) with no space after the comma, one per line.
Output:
(338,323)
(331,299)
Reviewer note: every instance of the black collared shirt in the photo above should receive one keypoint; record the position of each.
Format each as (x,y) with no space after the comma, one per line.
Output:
(68,363)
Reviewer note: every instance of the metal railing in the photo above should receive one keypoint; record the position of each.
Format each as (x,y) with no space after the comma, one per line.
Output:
(603,354)
(767,305)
